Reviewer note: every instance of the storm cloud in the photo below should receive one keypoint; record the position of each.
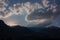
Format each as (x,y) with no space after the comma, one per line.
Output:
(46,12)
(39,12)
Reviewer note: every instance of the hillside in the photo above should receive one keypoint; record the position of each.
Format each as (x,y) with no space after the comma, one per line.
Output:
(24,33)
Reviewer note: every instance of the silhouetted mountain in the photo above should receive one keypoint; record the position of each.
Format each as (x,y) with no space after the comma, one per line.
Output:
(23,33)
(2,23)
(39,27)
(4,27)
(16,32)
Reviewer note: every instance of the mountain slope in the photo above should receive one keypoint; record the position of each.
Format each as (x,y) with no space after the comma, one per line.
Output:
(19,32)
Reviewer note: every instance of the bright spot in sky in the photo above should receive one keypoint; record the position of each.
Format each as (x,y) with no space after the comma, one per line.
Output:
(11,23)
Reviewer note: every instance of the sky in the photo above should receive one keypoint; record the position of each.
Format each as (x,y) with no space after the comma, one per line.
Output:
(30,12)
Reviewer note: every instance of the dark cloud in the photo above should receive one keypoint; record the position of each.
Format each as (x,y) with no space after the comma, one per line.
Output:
(40,15)
(28,7)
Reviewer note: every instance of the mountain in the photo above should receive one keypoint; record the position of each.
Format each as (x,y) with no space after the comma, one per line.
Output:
(24,33)
(2,23)
(6,32)
(38,27)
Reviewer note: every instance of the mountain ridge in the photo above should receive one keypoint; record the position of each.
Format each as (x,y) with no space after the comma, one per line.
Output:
(19,32)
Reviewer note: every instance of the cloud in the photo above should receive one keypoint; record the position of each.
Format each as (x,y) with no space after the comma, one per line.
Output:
(36,12)
(17,8)
(46,11)
(39,17)
(27,7)
(45,3)
(4,11)
(2,5)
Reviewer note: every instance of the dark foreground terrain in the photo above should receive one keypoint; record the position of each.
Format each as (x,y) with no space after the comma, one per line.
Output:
(23,33)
